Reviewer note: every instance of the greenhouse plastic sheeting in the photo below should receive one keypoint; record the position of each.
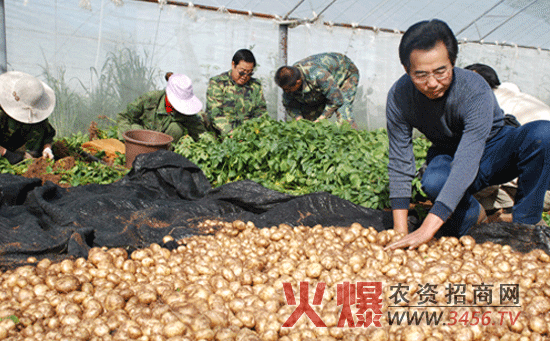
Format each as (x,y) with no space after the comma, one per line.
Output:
(74,45)
(166,194)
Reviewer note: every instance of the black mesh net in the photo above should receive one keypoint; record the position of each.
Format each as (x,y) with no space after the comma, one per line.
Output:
(163,194)
(166,194)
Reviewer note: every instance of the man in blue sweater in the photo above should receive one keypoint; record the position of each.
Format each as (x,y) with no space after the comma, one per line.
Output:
(471,147)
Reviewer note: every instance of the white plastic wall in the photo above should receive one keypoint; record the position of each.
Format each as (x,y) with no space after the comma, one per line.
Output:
(200,43)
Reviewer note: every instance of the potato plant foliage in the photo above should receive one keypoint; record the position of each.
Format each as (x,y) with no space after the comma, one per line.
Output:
(302,157)
(297,157)
(82,173)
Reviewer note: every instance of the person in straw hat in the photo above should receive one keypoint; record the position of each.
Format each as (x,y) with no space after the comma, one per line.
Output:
(25,105)
(172,111)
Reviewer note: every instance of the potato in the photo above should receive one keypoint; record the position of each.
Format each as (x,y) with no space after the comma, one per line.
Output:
(229,286)
(67,283)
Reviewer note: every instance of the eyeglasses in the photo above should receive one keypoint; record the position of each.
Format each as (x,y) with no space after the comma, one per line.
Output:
(244,73)
(422,77)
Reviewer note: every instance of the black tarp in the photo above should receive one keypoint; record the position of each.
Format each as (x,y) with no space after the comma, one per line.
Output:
(163,194)
(166,194)
(521,237)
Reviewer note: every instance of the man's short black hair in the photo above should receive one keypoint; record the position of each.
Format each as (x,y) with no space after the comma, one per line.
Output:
(424,35)
(486,72)
(244,54)
(287,76)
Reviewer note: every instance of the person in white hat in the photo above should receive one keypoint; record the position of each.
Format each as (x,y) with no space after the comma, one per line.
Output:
(172,111)
(25,105)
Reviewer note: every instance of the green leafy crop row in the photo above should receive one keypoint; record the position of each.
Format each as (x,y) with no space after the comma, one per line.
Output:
(295,157)
(82,173)
(302,157)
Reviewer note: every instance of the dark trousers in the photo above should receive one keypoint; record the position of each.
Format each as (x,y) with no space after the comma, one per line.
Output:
(522,152)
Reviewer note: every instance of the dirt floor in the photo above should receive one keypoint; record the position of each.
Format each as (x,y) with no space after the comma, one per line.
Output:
(65,160)
(39,169)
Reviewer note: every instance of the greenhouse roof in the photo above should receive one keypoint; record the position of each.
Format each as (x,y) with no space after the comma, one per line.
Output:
(514,22)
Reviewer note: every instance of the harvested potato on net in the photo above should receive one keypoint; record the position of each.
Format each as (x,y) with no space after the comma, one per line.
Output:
(245,283)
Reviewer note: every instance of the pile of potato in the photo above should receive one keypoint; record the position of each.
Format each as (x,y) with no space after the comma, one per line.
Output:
(229,286)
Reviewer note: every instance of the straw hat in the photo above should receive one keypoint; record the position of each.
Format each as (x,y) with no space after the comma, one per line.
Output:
(180,94)
(25,98)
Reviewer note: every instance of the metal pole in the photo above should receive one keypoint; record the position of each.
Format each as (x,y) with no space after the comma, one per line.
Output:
(505,21)
(292,10)
(476,19)
(283,59)
(3,51)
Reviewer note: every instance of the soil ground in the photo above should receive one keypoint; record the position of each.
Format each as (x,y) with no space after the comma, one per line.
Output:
(39,169)
(65,160)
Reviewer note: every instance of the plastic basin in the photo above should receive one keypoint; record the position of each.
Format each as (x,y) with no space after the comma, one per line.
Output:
(144,141)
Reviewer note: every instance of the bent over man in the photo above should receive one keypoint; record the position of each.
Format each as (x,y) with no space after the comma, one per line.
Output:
(471,147)
(25,105)
(173,111)
(319,86)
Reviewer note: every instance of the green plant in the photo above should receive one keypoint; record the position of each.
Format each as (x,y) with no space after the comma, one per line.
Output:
(18,169)
(297,157)
(11,317)
(74,142)
(84,173)
(68,103)
(546,218)
(129,76)
(100,99)
(302,157)
(123,77)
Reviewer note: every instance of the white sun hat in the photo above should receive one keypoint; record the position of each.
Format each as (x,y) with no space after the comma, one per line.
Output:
(180,94)
(25,98)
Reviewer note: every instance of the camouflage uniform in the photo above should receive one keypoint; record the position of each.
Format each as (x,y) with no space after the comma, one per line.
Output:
(149,112)
(33,136)
(329,84)
(229,104)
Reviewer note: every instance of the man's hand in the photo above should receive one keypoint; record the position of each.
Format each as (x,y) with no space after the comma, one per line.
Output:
(424,234)
(47,153)
(322,117)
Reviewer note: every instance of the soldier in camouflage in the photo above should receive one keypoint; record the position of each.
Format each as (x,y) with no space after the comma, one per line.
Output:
(172,111)
(318,86)
(25,105)
(234,96)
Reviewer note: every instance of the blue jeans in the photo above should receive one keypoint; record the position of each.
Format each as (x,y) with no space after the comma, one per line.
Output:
(522,152)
